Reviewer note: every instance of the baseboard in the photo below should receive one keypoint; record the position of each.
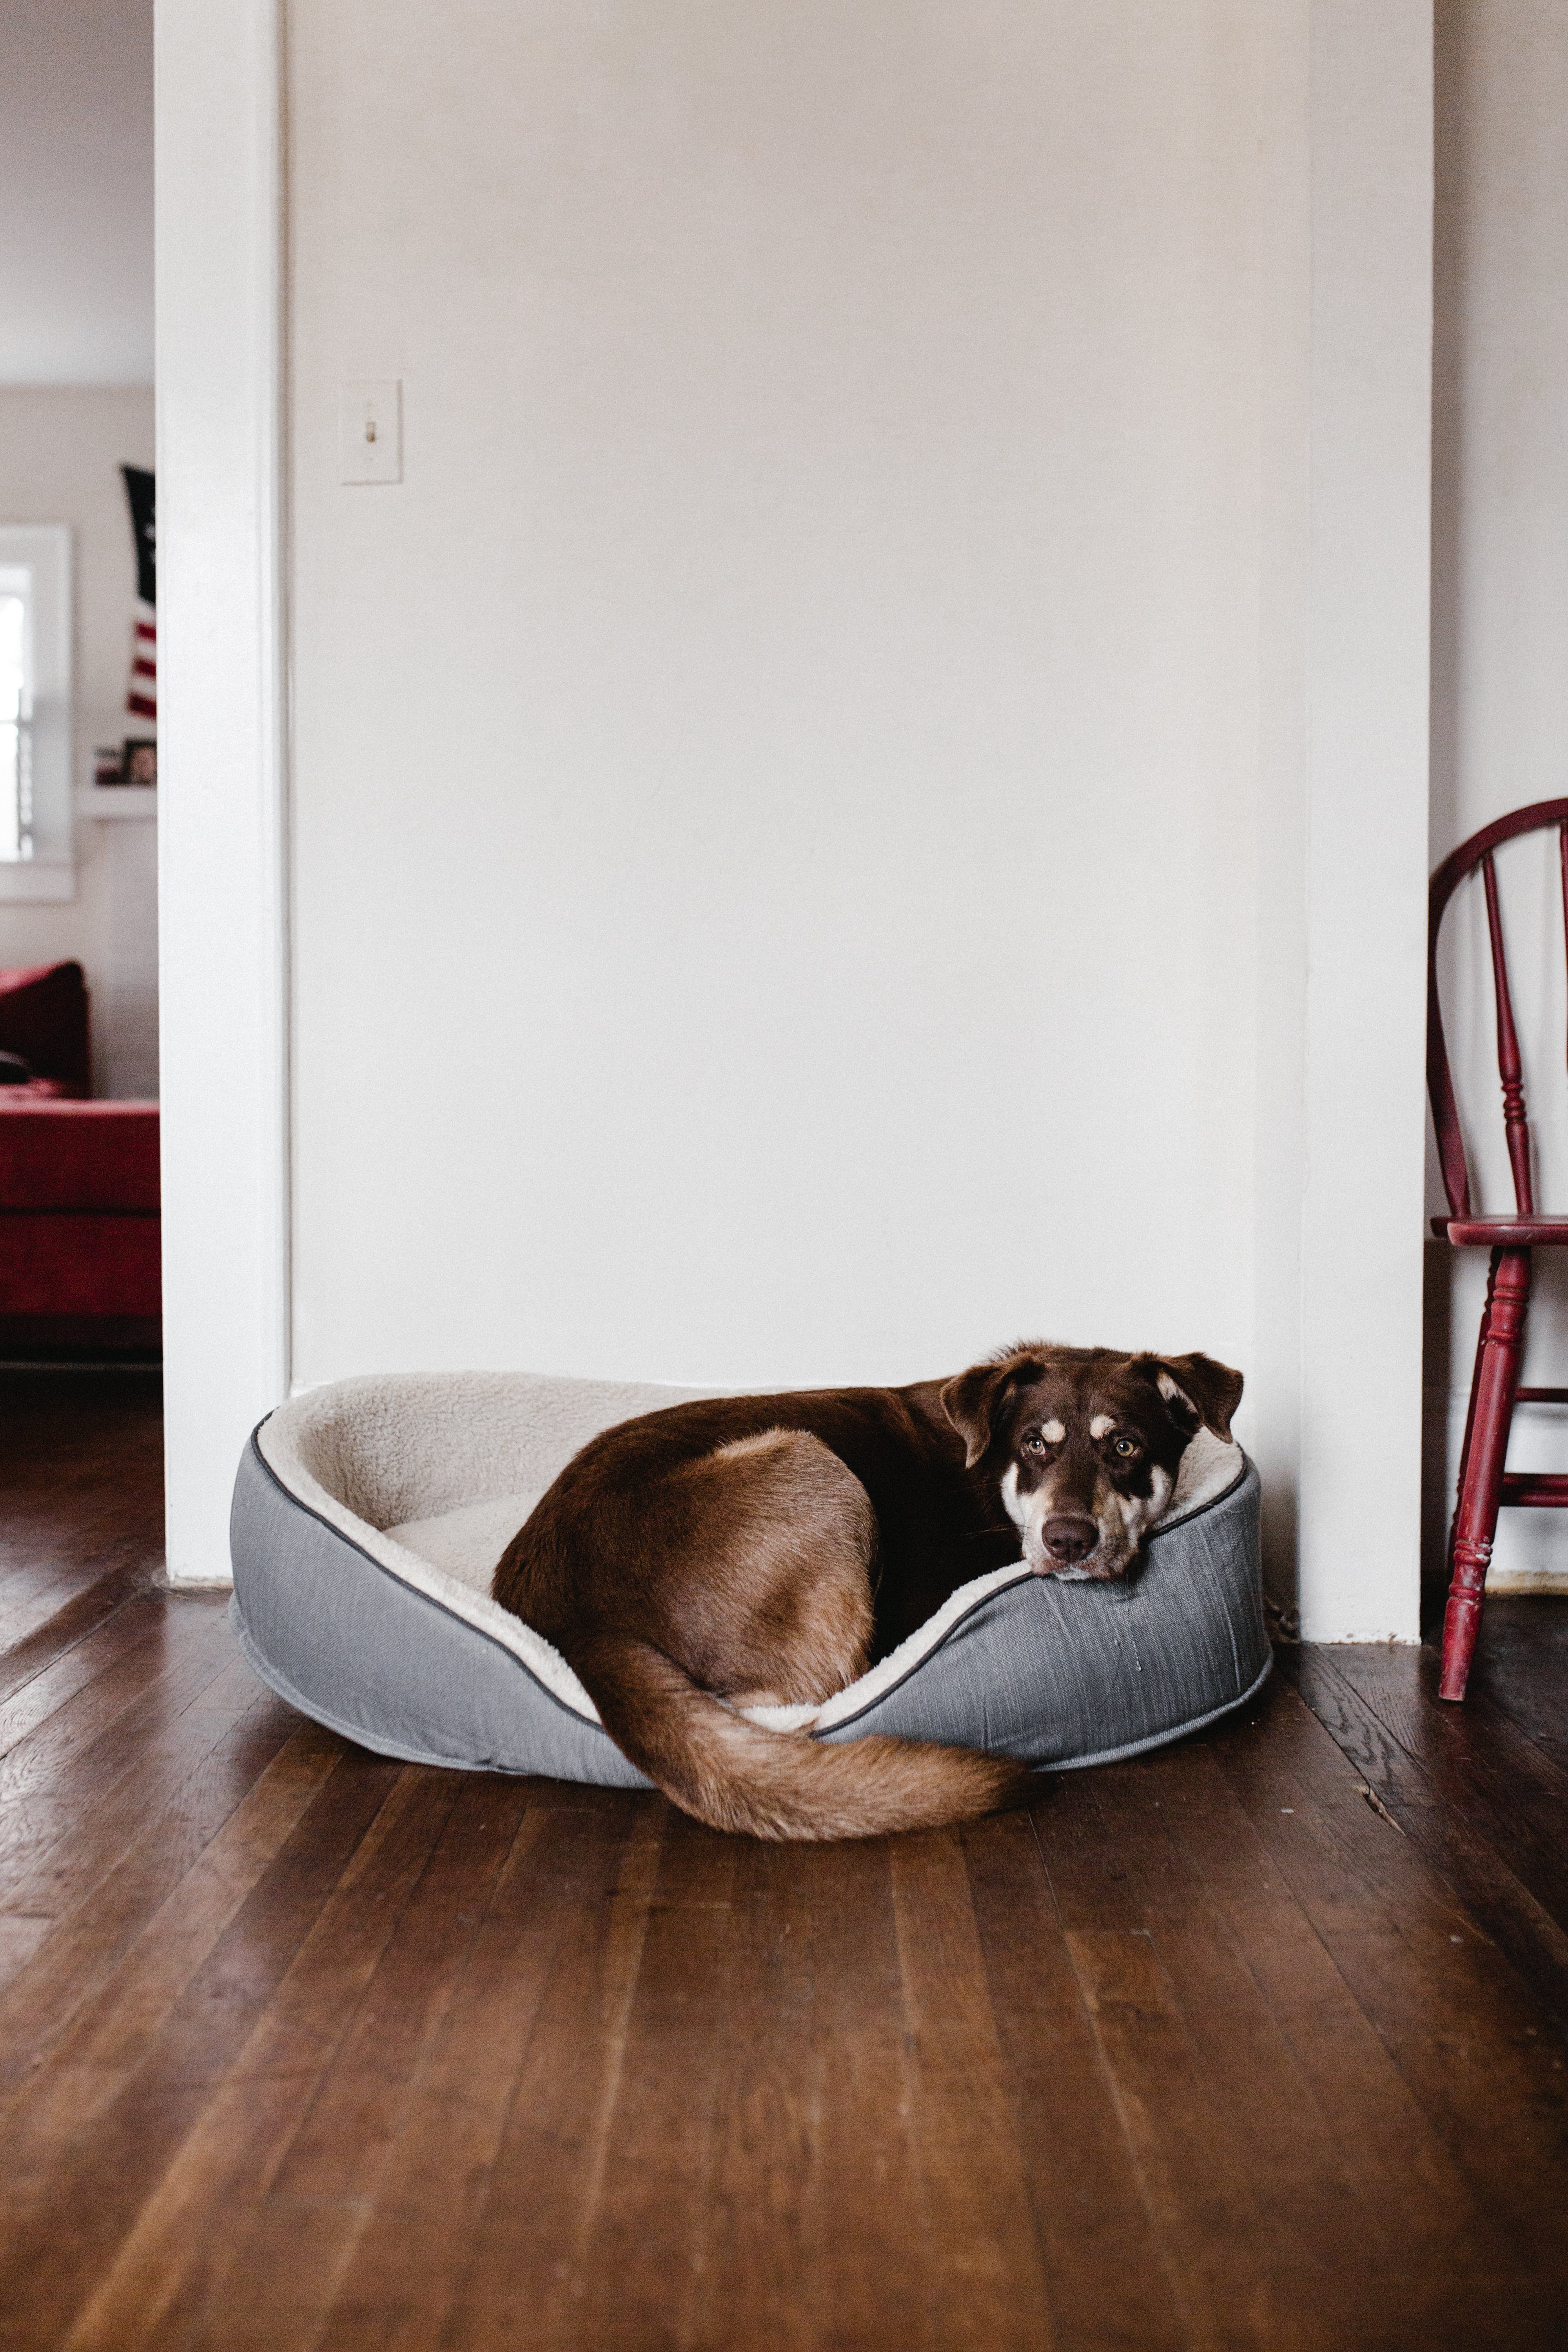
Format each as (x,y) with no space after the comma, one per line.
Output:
(37,1340)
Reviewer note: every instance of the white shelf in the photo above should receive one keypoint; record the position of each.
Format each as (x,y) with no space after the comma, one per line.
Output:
(49,879)
(119,801)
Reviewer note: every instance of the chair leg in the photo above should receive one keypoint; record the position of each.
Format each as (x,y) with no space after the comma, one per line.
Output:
(1485,1451)
(1470,1407)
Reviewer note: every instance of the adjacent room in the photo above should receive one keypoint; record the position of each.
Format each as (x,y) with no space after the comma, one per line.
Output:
(784,1362)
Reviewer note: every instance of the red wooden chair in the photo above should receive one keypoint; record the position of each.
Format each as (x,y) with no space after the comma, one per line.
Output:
(1485,1483)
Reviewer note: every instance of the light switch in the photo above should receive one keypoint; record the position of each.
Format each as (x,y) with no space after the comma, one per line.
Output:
(370,431)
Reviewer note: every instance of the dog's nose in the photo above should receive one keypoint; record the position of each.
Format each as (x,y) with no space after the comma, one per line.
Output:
(1069,1539)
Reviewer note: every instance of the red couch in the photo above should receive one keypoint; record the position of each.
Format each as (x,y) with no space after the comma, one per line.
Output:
(43,1028)
(80,1229)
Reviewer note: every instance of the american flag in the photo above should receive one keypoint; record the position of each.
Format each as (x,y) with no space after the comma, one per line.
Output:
(142,695)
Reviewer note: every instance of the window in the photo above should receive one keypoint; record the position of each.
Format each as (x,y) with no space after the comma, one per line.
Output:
(35,712)
(16,715)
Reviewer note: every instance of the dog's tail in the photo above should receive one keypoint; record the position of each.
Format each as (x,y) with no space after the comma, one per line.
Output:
(735,1774)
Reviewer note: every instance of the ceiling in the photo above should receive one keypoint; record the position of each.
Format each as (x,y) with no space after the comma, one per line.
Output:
(75,192)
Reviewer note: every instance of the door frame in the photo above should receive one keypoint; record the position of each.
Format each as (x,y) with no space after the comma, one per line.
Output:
(223,962)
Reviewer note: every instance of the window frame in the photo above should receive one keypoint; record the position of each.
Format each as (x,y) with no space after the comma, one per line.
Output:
(44,551)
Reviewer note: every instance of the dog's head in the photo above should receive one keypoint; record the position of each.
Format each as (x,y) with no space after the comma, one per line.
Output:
(1085,1445)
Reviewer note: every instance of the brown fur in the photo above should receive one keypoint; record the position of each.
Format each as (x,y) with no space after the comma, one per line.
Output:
(747,1551)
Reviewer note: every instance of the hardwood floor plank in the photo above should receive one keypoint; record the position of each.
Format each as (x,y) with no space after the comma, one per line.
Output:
(511,2109)
(1197,2183)
(987,2278)
(1236,2123)
(867,2246)
(359,2110)
(1255,2093)
(1521,1667)
(1408,2199)
(1473,1754)
(65,1839)
(110,1972)
(75,1621)
(174,2254)
(88,1712)
(31,1601)
(1454,1795)
(70,2200)
(82,1502)
(100,1731)
(1106,2275)
(1196,2189)
(748,2279)
(20,1935)
(273,2279)
(1464,2033)
(106,1643)
(635,2279)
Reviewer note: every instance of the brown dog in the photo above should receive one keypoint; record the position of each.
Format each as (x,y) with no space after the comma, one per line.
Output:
(762,1550)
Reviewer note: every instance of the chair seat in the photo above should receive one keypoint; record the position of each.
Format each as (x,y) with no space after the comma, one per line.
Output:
(1502,1232)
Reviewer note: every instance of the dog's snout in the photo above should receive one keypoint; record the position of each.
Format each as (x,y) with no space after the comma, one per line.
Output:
(1070,1539)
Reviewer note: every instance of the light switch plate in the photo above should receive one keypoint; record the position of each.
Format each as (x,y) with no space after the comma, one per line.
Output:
(370,430)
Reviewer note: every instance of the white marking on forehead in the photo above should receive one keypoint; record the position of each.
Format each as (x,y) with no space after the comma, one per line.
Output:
(1101,1424)
(1052,1432)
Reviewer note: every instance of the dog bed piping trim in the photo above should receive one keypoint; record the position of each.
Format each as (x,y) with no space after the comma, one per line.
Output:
(379,1746)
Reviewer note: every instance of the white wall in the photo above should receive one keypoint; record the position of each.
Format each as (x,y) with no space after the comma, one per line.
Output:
(1342,778)
(774,787)
(75,192)
(800,797)
(60,454)
(1500,670)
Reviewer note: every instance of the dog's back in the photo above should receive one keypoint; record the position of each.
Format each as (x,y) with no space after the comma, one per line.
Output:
(725,1554)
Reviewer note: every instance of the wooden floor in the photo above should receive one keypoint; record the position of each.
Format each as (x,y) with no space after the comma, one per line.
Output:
(1257,2043)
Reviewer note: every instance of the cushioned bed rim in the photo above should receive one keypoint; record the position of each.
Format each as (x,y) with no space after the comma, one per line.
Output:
(285,1689)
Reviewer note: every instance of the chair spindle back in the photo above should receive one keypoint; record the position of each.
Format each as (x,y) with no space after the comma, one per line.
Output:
(1478,851)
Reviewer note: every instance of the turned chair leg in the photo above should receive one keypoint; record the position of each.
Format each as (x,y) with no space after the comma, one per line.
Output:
(1485,1451)
(1470,1407)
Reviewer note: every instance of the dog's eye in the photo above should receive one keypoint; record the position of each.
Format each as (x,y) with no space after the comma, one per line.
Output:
(1126,1447)
(1035,1442)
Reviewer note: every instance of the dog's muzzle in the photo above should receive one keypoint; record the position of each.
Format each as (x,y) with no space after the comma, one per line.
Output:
(1067,1538)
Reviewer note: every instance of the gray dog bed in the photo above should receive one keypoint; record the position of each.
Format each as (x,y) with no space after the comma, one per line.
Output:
(369,1515)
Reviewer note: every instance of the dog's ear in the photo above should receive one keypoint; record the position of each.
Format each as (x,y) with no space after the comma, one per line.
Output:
(971,1401)
(1196,1389)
